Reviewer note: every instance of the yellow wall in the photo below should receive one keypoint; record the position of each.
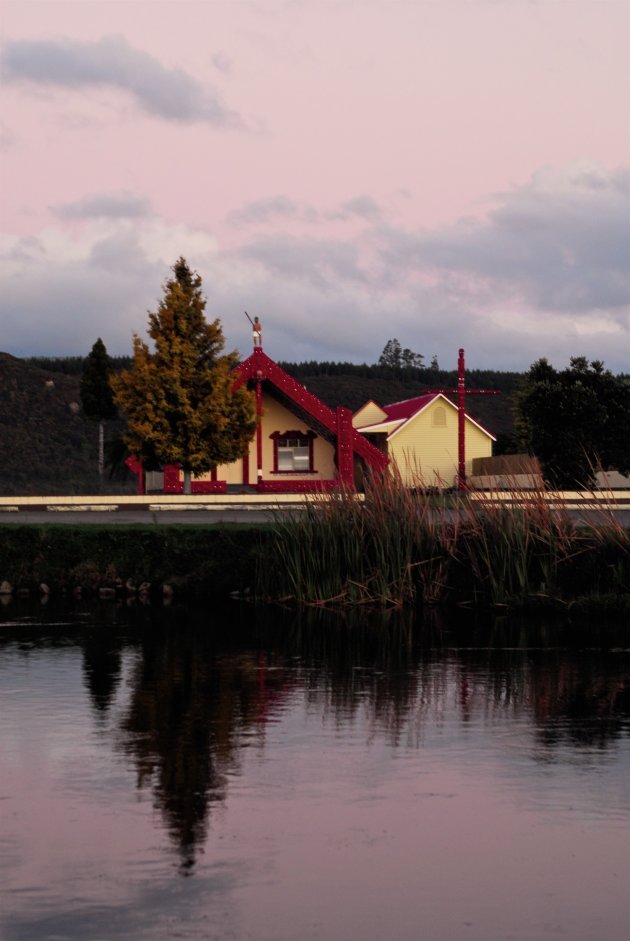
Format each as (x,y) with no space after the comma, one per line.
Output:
(425,453)
(368,414)
(231,473)
(278,418)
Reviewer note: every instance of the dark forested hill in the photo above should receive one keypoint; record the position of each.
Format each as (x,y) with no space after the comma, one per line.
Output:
(352,386)
(47,445)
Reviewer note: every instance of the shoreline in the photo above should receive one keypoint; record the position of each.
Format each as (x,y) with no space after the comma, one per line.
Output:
(219,562)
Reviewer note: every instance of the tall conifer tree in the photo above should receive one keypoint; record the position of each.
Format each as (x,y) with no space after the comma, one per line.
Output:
(96,393)
(178,400)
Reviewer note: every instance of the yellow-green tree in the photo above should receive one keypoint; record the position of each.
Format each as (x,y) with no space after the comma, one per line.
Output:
(178,399)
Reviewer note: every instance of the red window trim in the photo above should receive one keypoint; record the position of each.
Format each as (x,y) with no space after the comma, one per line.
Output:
(277,435)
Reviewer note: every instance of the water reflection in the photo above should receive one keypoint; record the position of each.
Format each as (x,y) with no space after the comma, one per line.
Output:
(205,686)
(580,703)
(187,698)
(102,661)
(186,711)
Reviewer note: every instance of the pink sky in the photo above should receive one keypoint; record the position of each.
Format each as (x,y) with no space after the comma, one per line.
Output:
(451,173)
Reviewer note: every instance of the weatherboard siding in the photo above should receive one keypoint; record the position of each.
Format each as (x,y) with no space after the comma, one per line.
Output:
(425,453)
(277,417)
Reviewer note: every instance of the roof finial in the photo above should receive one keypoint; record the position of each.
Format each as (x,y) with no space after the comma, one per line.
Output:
(256,331)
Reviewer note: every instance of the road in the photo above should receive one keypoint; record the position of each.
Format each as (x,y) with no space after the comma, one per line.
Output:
(148,516)
(144,517)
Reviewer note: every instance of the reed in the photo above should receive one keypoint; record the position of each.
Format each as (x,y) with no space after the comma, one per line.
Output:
(602,568)
(398,546)
(515,552)
(389,548)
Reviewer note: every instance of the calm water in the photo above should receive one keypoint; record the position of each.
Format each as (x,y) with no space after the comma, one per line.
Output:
(213,775)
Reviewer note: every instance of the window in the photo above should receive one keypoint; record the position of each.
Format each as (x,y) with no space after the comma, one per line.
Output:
(439,417)
(293,452)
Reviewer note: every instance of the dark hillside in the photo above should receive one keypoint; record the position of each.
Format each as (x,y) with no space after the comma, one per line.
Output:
(49,447)
(47,444)
(71,365)
(361,383)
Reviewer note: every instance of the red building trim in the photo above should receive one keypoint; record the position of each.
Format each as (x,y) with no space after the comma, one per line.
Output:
(173,484)
(297,486)
(259,443)
(135,466)
(345,453)
(309,435)
(334,426)
(260,368)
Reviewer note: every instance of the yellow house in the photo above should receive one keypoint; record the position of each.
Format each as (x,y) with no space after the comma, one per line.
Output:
(300,445)
(420,437)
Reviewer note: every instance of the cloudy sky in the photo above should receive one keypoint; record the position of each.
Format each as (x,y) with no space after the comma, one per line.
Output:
(447,172)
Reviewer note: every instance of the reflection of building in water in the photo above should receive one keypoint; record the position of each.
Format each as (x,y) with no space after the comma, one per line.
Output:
(200,694)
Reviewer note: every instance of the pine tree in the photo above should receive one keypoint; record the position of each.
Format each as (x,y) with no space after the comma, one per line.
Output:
(178,400)
(395,357)
(411,360)
(96,393)
(391,355)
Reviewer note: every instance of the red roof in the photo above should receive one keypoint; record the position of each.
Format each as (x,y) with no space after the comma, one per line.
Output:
(408,407)
(403,411)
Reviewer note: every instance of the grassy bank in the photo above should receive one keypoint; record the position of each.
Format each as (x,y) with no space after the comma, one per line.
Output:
(394,549)
(193,562)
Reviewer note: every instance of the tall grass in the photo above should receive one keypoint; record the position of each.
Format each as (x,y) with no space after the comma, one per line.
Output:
(399,546)
(532,550)
(515,552)
(388,548)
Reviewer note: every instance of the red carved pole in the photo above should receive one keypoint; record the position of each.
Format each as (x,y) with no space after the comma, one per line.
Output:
(461,422)
(345,454)
(259,444)
(461,391)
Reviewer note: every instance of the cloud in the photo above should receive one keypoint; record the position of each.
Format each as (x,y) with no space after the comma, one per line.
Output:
(7,137)
(104,206)
(61,291)
(362,206)
(541,275)
(324,263)
(222,62)
(261,211)
(171,94)
(560,243)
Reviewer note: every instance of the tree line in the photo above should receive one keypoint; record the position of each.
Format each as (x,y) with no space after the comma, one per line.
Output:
(504,381)
(180,407)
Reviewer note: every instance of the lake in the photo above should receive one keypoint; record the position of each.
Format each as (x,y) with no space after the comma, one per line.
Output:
(241,773)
